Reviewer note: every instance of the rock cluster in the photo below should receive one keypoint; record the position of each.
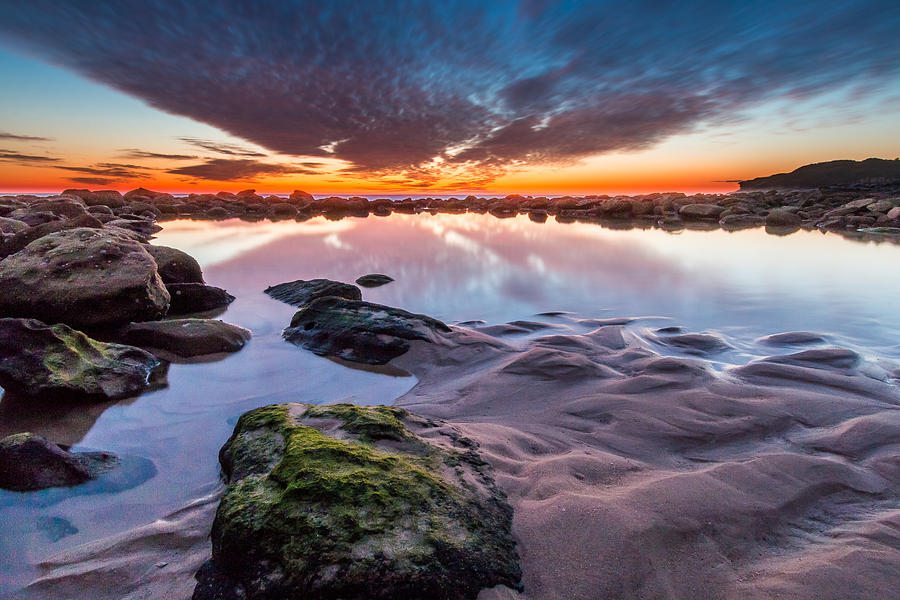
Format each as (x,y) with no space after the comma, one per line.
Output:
(76,269)
(355,502)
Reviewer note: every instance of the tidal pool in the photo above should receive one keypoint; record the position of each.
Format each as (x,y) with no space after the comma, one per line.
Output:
(472,269)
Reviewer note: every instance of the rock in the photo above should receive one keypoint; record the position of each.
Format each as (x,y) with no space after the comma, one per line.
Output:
(782,218)
(110,198)
(43,360)
(299,197)
(186,337)
(894,213)
(741,221)
(283,209)
(195,297)
(26,236)
(700,211)
(301,293)
(881,206)
(12,225)
(374,280)
(175,266)
(30,462)
(145,193)
(83,277)
(355,503)
(359,331)
(218,212)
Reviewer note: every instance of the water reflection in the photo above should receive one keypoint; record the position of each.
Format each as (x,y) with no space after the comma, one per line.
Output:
(741,285)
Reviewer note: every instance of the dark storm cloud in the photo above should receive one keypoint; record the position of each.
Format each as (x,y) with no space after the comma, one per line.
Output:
(135,153)
(389,86)
(9,155)
(224,169)
(220,148)
(23,138)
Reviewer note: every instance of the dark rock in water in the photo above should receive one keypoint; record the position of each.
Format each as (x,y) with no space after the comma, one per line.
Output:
(782,218)
(175,266)
(30,462)
(83,277)
(355,503)
(38,359)
(189,298)
(301,293)
(359,331)
(701,211)
(187,337)
(110,198)
(374,280)
(792,338)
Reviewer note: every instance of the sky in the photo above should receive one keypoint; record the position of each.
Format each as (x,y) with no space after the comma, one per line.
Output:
(530,96)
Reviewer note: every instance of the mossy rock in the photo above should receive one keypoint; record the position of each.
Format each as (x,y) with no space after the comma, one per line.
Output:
(359,331)
(58,361)
(353,502)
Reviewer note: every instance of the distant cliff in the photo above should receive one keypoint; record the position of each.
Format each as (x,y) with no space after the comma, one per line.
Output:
(872,171)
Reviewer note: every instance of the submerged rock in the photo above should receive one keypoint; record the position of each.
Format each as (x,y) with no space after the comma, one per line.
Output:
(175,266)
(187,337)
(359,331)
(352,502)
(38,359)
(301,293)
(374,280)
(30,462)
(189,298)
(83,277)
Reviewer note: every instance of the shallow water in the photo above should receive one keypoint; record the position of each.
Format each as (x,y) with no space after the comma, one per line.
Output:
(462,268)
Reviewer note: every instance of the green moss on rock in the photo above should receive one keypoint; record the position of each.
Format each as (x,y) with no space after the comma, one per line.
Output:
(348,502)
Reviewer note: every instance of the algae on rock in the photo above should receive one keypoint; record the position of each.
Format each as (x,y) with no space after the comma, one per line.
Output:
(349,502)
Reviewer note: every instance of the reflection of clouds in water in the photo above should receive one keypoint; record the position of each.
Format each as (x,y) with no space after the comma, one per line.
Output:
(213,242)
(333,240)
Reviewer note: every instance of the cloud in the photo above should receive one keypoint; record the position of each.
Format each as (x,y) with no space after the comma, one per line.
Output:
(23,138)
(9,155)
(462,89)
(224,169)
(135,153)
(220,148)
(109,170)
(92,180)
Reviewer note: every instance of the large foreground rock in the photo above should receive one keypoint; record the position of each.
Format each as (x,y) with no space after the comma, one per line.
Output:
(352,502)
(359,331)
(83,277)
(29,462)
(187,337)
(41,360)
(302,292)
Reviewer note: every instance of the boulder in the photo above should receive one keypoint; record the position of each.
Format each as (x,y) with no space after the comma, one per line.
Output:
(881,206)
(186,337)
(701,211)
(374,280)
(782,218)
(30,462)
(300,197)
(175,266)
(359,331)
(28,235)
(110,198)
(355,503)
(189,298)
(894,213)
(8,225)
(43,360)
(83,277)
(301,293)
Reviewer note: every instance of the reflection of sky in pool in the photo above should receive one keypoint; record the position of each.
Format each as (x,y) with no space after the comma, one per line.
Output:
(457,268)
